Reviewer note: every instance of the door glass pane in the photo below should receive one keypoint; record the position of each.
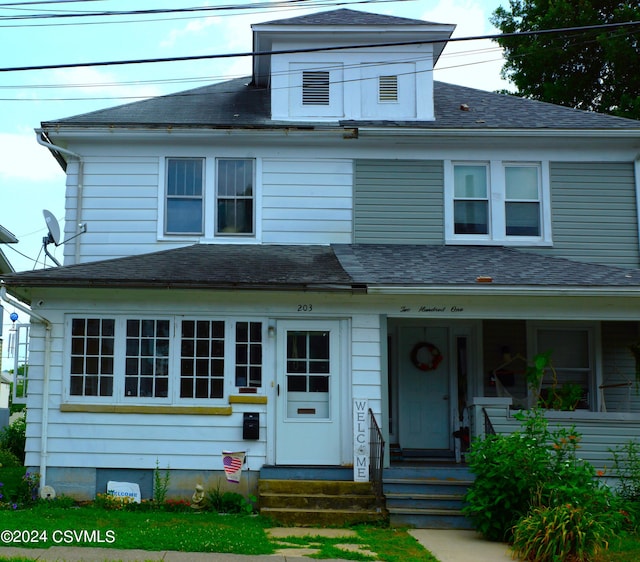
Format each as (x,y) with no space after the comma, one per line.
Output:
(308,374)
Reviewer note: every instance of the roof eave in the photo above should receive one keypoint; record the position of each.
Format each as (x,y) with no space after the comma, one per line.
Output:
(506,290)
(364,131)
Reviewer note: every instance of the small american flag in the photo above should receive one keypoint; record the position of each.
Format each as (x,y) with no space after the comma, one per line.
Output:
(231,464)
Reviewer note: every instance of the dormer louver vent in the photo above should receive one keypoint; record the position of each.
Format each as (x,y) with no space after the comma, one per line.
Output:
(388,88)
(315,87)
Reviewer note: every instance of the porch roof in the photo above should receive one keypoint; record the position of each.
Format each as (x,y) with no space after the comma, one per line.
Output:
(344,267)
(455,266)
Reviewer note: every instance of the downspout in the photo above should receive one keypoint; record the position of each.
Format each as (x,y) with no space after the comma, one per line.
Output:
(44,436)
(636,169)
(41,141)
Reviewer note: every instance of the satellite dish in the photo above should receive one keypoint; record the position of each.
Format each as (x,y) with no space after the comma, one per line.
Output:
(52,226)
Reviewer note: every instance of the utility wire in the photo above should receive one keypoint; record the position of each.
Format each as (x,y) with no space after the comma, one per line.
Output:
(245,7)
(496,36)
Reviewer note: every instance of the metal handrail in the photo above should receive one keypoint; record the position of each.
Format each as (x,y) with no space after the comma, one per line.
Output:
(488,426)
(376,457)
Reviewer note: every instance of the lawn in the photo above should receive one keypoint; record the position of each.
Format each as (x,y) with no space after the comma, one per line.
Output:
(46,525)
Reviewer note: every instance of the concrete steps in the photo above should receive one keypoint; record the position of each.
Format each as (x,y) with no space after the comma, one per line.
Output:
(317,502)
(427,497)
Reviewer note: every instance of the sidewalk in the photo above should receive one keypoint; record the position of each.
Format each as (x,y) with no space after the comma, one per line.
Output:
(446,546)
(461,546)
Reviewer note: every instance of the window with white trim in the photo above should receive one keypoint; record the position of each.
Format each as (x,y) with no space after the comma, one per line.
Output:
(168,359)
(92,357)
(224,205)
(184,179)
(571,349)
(235,197)
(497,202)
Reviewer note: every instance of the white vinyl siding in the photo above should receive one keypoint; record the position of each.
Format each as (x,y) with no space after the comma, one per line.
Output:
(307,201)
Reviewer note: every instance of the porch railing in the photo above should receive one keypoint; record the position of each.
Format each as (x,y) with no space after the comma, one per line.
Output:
(488,426)
(376,457)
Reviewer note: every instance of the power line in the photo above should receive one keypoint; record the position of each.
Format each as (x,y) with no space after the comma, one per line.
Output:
(256,7)
(324,49)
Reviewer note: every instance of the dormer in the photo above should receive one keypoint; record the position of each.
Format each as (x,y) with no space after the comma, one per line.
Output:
(348,65)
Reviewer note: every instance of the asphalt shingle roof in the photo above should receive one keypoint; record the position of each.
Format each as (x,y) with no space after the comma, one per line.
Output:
(433,265)
(201,265)
(342,266)
(238,104)
(345,16)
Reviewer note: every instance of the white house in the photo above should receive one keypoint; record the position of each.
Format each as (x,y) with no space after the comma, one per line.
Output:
(338,227)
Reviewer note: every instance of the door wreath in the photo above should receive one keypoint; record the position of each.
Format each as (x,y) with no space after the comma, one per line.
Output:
(426,356)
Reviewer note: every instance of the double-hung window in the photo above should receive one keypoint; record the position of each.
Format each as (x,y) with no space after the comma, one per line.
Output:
(496,202)
(184,196)
(235,196)
(208,198)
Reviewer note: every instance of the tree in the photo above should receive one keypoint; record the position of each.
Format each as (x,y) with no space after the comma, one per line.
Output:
(595,70)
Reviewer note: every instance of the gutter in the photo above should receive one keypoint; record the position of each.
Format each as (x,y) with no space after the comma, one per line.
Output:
(42,140)
(501,290)
(44,449)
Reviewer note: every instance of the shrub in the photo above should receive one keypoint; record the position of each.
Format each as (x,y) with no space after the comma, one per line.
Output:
(626,466)
(509,469)
(13,438)
(8,459)
(533,467)
(559,533)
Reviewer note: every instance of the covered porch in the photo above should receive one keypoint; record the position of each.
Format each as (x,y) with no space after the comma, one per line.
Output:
(450,380)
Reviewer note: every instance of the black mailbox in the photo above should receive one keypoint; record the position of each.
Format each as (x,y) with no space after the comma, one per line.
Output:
(251,425)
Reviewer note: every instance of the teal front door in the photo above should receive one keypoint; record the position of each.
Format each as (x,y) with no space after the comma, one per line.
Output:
(424,401)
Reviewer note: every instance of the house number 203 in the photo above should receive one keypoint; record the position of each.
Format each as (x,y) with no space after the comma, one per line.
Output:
(305,307)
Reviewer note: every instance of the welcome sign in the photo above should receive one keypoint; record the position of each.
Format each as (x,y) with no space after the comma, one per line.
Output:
(124,490)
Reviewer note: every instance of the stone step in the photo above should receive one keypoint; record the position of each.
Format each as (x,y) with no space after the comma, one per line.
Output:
(318,501)
(314,487)
(428,518)
(428,501)
(311,517)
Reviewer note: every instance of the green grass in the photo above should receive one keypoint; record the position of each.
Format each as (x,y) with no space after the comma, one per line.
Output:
(199,532)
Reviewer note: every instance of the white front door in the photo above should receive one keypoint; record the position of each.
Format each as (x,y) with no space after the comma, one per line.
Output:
(308,397)
(424,395)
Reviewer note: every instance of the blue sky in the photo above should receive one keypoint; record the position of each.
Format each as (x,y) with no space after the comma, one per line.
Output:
(31,180)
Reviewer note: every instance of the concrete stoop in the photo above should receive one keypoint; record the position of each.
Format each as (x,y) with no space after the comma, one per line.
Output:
(318,502)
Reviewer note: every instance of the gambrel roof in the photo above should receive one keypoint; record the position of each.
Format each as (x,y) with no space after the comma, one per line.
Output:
(238,104)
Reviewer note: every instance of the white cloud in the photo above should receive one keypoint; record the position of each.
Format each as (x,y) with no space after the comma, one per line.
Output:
(23,159)
(93,82)
(196,27)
